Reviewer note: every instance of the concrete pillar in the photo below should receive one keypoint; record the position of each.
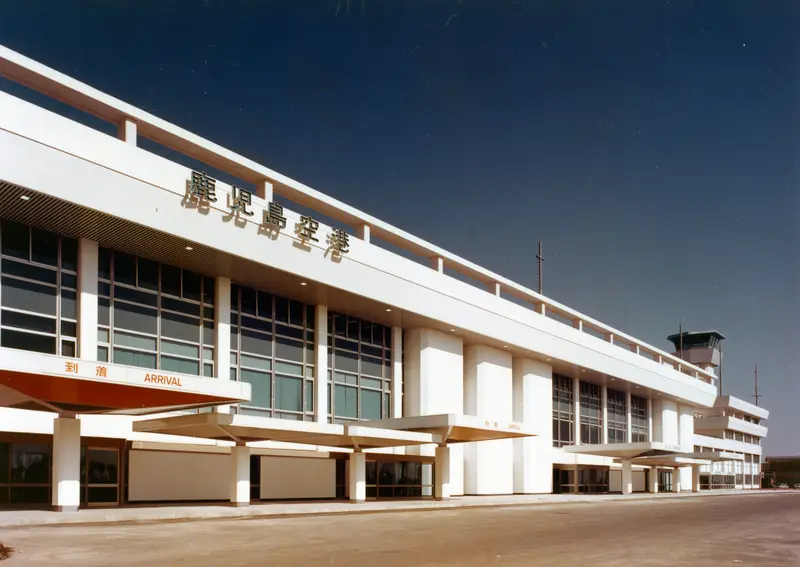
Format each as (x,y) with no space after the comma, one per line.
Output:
(494,288)
(441,485)
(321,363)
(88,251)
(363,232)
(695,478)
(686,439)
(652,480)
(433,380)
(264,189)
(665,421)
(576,400)
(627,477)
(357,476)
(604,402)
(397,372)
(628,405)
(676,479)
(240,476)
(126,131)
(532,405)
(222,333)
(437,263)
(66,464)
(488,465)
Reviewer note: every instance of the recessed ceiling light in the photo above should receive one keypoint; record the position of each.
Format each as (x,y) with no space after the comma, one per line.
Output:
(549,359)
(25,197)
(303,283)
(452,330)
(388,310)
(583,370)
(189,248)
(612,379)
(505,346)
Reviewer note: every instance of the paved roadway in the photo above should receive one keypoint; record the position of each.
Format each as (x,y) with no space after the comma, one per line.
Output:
(716,530)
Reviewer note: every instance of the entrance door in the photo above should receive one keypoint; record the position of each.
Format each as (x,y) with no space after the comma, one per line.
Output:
(665,481)
(99,476)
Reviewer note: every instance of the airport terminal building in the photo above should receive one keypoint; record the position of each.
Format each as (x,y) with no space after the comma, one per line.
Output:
(166,336)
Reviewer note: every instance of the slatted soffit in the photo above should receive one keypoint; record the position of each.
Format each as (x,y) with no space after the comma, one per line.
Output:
(49,213)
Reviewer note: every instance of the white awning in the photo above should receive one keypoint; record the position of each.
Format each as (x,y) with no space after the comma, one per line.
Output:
(455,428)
(624,450)
(247,428)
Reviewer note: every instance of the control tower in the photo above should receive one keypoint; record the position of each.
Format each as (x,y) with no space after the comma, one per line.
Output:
(702,348)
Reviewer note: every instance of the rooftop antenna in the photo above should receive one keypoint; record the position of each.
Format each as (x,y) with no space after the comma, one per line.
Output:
(680,337)
(539,261)
(756,395)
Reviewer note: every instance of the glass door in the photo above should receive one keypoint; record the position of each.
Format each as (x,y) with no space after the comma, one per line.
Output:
(665,481)
(99,476)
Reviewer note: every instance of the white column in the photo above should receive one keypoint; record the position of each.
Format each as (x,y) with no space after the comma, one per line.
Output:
(488,465)
(576,400)
(628,410)
(126,131)
(222,333)
(604,393)
(665,421)
(321,363)
(240,476)
(441,485)
(652,480)
(686,440)
(397,372)
(88,251)
(437,263)
(357,473)
(695,478)
(363,232)
(66,464)
(264,190)
(650,419)
(676,479)
(433,377)
(627,477)
(533,406)
(494,288)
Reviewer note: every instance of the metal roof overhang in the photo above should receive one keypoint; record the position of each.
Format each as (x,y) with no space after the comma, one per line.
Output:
(454,428)
(625,450)
(715,456)
(30,380)
(246,428)
(668,461)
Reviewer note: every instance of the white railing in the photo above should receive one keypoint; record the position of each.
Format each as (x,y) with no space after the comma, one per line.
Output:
(133,122)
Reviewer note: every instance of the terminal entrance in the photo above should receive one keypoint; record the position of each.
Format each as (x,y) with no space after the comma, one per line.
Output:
(665,481)
(390,479)
(26,474)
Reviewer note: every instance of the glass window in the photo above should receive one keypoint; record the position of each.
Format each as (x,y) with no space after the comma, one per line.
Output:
(277,351)
(363,366)
(31,268)
(142,320)
(617,411)
(563,411)
(639,419)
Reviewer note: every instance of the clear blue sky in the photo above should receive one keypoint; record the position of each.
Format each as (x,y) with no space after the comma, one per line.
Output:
(653,146)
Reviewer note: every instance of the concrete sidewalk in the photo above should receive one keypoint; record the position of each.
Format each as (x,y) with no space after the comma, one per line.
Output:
(162,513)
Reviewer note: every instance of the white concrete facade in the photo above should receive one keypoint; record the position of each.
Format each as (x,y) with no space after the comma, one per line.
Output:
(454,347)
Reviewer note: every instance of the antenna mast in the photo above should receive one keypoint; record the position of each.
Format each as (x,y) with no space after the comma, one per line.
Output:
(539,261)
(757,395)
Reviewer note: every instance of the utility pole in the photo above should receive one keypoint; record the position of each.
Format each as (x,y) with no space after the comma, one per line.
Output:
(539,261)
(756,395)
